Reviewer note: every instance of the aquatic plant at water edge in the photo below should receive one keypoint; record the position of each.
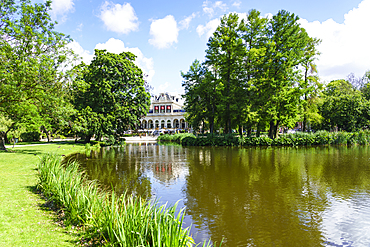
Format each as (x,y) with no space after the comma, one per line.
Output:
(121,221)
(296,139)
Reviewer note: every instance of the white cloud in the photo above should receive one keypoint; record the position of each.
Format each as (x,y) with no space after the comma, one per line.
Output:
(210,8)
(117,46)
(209,28)
(162,88)
(237,3)
(345,46)
(84,54)
(184,24)
(79,27)
(61,8)
(164,32)
(119,18)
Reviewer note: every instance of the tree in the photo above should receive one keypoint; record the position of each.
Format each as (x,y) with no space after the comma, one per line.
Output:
(254,34)
(110,94)
(310,85)
(284,53)
(32,58)
(225,53)
(201,95)
(344,107)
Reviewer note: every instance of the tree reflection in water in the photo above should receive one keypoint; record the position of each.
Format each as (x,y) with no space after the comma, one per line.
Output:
(115,168)
(250,196)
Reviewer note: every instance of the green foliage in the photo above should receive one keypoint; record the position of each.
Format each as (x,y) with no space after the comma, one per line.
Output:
(121,221)
(177,138)
(344,107)
(251,75)
(296,139)
(33,136)
(109,95)
(33,60)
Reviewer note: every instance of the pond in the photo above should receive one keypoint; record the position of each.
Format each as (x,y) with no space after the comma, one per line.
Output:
(313,196)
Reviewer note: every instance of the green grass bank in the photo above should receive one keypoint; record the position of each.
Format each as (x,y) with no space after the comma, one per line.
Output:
(24,221)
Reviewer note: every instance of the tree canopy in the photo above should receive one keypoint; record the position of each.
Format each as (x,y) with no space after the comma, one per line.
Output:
(110,95)
(256,67)
(33,60)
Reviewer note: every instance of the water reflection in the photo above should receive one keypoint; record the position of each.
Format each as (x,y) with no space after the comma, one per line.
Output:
(251,196)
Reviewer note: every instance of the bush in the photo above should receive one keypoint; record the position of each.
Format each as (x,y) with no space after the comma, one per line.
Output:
(33,136)
(296,139)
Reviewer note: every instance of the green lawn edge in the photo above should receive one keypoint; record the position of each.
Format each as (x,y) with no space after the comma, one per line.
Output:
(23,219)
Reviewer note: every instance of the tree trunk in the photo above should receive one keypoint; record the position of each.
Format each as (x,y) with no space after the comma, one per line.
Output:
(258,133)
(2,142)
(88,138)
(241,131)
(48,135)
(249,131)
(276,127)
(6,133)
(211,125)
(271,130)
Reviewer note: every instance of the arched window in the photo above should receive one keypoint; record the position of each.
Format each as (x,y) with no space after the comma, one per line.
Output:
(156,123)
(168,123)
(162,124)
(144,124)
(182,124)
(176,123)
(150,124)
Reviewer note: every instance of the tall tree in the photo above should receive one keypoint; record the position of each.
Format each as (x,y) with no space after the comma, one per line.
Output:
(310,84)
(285,50)
(110,94)
(201,95)
(225,53)
(254,34)
(32,58)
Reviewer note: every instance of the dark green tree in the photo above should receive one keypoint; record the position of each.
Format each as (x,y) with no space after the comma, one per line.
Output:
(254,34)
(225,54)
(344,107)
(201,96)
(110,95)
(278,88)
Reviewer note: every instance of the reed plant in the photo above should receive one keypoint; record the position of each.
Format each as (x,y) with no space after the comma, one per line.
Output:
(120,220)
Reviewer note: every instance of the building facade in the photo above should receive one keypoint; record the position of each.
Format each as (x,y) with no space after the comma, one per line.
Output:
(166,112)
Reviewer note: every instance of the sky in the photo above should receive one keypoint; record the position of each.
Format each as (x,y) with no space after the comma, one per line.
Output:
(168,35)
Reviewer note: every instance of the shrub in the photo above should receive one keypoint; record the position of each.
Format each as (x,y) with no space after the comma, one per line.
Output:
(33,136)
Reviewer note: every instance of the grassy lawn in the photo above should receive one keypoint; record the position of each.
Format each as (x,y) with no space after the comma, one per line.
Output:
(23,220)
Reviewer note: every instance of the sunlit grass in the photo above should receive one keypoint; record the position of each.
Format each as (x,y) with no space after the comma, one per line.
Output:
(24,220)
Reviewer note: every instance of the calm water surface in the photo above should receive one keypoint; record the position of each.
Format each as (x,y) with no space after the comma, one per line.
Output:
(317,196)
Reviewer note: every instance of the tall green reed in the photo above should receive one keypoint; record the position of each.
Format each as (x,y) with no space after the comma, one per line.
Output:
(121,221)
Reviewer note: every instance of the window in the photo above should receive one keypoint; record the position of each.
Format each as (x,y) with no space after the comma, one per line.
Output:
(162,108)
(168,109)
(156,109)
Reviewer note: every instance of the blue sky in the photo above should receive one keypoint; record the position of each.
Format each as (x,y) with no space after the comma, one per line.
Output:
(167,35)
